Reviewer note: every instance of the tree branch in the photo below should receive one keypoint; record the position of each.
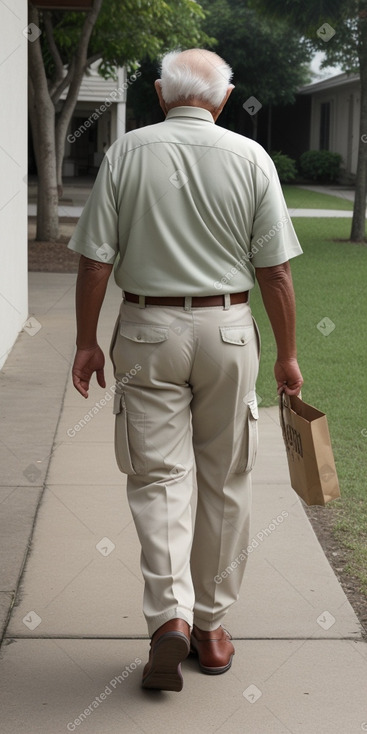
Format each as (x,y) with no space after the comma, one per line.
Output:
(57,91)
(35,60)
(75,73)
(80,61)
(59,68)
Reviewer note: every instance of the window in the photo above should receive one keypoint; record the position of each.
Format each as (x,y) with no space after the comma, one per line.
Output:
(324,125)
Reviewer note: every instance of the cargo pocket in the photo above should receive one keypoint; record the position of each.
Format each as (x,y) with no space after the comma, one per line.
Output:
(250,437)
(253,436)
(113,341)
(258,337)
(129,437)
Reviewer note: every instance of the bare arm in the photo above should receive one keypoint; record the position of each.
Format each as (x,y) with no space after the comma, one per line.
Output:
(278,296)
(90,291)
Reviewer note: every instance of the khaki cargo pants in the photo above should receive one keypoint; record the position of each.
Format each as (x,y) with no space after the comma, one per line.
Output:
(186,417)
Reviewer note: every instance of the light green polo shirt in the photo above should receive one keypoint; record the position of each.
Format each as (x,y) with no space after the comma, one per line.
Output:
(185,208)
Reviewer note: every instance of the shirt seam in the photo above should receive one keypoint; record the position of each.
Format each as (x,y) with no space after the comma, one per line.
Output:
(191,145)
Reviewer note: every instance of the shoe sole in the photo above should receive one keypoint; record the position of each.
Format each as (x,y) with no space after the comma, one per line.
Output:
(211,671)
(165,670)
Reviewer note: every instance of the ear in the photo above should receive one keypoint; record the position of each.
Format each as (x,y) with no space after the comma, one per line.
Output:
(217,112)
(158,89)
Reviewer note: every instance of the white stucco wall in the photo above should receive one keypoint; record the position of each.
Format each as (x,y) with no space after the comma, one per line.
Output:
(343,94)
(13,166)
(344,123)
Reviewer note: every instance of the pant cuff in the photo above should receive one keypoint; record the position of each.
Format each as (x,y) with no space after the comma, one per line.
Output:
(175,613)
(205,625)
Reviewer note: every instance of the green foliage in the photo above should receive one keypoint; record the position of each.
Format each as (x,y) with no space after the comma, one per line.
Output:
(127,31)
(348,18)
(269,60)
(320,165)
(285,166)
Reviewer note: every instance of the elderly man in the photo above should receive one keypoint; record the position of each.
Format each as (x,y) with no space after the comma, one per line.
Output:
(187,213)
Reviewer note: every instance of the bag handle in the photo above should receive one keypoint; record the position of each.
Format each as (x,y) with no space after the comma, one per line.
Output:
(281,413)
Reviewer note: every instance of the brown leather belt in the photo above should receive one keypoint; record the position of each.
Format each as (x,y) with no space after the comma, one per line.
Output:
(196,301)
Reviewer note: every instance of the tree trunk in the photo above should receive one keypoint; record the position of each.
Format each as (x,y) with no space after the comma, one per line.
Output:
(48,142)
(42,118)
(359,210)
(63,121)
(254,120)
(268,143)
(60,134)
(43,128)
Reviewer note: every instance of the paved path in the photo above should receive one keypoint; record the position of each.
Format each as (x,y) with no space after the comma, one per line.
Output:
(75,211)
(319,213)
(76,639)
(64,211)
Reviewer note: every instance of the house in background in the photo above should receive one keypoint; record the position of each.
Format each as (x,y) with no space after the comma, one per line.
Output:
(98,120)
(334,119)
(325,116)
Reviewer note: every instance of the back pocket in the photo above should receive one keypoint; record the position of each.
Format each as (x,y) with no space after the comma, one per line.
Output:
(240,335)
(143,333)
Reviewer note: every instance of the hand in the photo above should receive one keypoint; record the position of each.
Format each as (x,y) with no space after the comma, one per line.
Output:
(288,376)
(86,362)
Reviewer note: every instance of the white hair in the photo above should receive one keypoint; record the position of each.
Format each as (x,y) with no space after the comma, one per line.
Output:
(195,73)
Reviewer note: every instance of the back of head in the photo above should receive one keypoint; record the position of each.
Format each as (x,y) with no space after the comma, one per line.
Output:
(194,74)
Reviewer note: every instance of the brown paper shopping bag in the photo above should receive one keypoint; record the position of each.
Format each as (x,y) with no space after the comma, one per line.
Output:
(309,452)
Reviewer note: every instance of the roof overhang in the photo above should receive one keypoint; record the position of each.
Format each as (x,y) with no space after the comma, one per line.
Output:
(335,81)
(63,4)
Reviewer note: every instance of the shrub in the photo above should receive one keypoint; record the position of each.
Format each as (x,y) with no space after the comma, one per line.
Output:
(285,166)
(320,165)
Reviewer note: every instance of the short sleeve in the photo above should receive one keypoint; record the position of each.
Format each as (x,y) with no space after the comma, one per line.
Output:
(96,234)
(273,240)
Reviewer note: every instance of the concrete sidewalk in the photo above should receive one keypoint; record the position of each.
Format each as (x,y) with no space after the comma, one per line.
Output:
(76,640)
(75,212)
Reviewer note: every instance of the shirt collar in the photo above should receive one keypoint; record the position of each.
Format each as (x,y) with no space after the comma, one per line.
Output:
(196,112)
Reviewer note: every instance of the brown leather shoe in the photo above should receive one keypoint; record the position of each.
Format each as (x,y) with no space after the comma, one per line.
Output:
(170,645)
(214,648)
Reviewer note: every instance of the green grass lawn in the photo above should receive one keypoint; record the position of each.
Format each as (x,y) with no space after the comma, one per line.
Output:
(330,281)
(298,198)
